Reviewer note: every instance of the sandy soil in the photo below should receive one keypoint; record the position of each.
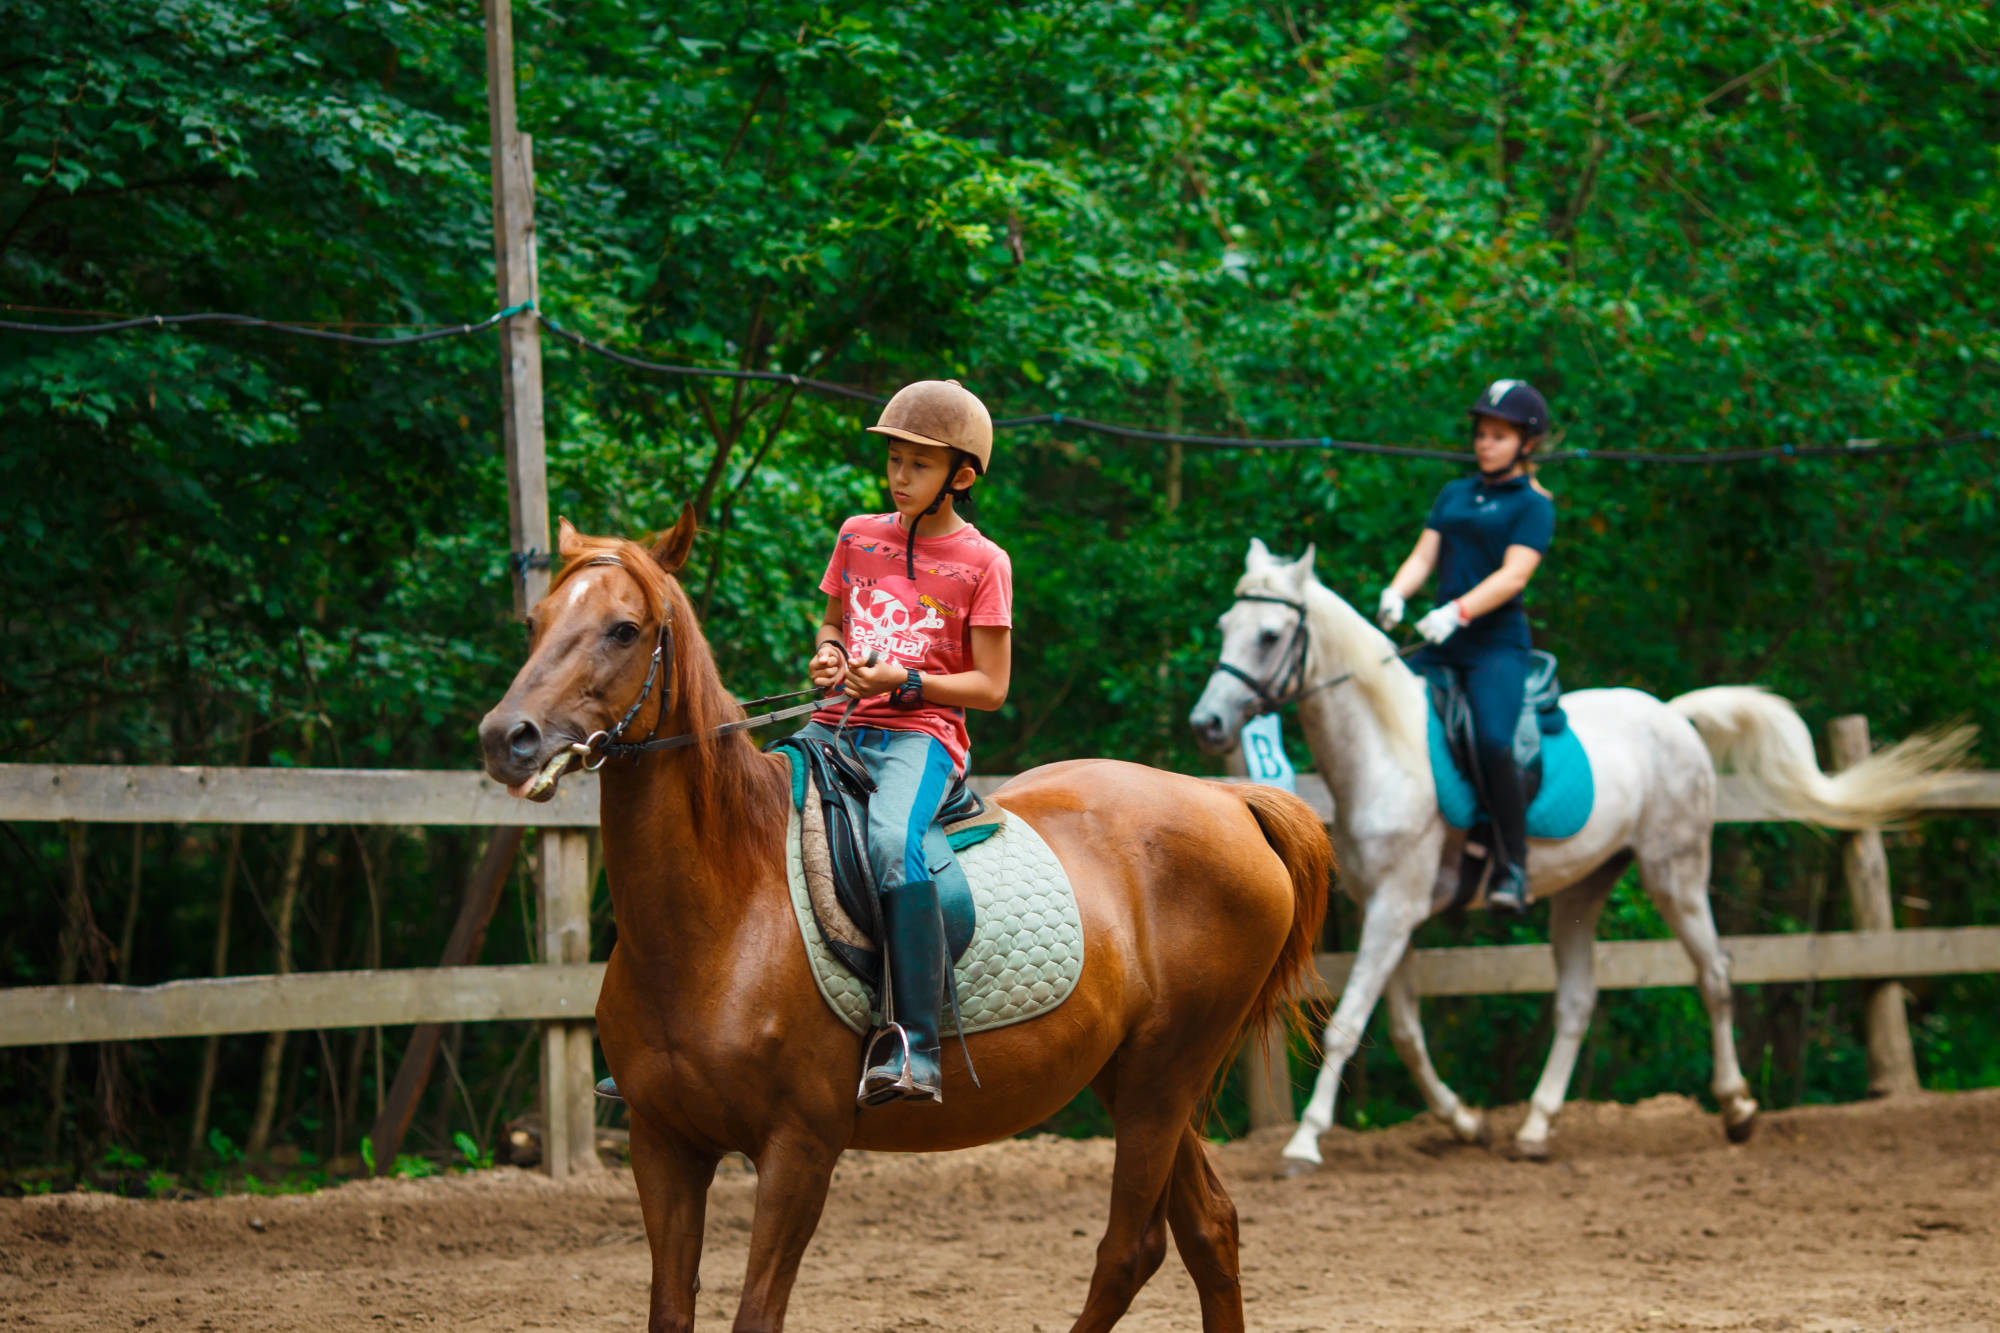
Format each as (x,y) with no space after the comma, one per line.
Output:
(1879,1216)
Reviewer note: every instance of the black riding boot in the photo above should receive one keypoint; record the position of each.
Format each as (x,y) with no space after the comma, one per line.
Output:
(903,1056)
(1507,805)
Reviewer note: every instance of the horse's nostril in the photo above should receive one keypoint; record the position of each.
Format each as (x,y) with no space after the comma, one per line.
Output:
(525,740)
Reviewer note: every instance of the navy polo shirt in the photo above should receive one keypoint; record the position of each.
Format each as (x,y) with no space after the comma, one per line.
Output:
(1478,520)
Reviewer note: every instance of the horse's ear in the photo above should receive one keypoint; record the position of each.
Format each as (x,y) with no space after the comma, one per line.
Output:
(671,550)
(1303,566)
(1259,555)
(569,543)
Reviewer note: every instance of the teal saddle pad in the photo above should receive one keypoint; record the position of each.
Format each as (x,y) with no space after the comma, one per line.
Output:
(1560,809)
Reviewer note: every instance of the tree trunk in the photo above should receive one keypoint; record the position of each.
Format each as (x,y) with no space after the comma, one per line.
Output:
(211,1048)
(129,928)
(274,1044)
(76,916)
(468,938)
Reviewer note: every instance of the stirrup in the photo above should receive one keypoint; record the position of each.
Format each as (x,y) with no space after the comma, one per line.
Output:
(876,1090)
(607,1090)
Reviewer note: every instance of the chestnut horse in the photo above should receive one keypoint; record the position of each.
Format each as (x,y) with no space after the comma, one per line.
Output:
(1200,904)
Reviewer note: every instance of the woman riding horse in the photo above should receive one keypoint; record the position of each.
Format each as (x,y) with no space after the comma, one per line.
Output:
(1486,536)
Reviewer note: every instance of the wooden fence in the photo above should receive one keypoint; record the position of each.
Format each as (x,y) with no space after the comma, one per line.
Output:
(561,991)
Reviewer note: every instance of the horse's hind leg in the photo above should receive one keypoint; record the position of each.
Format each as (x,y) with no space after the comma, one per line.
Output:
(1677,882)
(1406,1029)
(1205,1232)
(1573,917)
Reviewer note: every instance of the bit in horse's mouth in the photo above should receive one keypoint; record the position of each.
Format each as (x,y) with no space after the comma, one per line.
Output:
(542,786)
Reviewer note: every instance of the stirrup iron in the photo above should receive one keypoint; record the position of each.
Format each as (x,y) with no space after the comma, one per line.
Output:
(904,1087)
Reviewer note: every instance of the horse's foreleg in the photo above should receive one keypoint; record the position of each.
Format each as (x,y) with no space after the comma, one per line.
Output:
(1573,917)
(1406,1029)
(1391,914)
(1678,886)
(793,1172)
(673,1181)
(1205,1232)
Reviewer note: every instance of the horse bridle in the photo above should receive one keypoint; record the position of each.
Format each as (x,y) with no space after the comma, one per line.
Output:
(1280,691)
(1288,688)
(610,743)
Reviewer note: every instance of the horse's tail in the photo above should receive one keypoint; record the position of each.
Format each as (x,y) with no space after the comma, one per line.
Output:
(1763,740)
(1300,841)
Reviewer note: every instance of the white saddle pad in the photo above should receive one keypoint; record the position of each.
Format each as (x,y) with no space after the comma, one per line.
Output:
(1027,946)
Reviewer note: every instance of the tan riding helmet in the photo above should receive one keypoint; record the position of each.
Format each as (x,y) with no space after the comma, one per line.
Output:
(943,413)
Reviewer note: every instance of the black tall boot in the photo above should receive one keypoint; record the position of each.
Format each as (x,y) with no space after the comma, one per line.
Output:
(902,1058)
(1507,805)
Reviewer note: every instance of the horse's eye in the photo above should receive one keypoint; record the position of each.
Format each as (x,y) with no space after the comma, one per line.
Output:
(1268,637)
(624,631)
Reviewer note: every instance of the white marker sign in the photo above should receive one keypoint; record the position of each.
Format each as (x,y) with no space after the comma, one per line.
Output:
(1264,754)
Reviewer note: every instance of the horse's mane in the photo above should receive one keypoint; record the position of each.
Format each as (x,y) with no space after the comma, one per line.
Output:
(736,791)
(1350,643)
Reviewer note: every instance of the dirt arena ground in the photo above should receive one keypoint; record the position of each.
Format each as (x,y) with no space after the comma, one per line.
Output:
(1876,1217)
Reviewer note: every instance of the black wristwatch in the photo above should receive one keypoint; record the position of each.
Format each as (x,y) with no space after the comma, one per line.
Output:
(910,694)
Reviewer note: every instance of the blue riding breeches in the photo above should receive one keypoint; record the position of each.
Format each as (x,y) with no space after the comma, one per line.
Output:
(913,775)
(1491,656)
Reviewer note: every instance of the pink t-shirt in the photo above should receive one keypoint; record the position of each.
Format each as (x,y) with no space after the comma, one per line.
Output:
(963,580)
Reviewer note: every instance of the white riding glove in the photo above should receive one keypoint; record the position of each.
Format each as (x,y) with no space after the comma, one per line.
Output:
(1389,611)
(1442,622)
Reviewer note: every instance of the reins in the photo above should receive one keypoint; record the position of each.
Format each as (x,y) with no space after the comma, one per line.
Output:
(1276,695)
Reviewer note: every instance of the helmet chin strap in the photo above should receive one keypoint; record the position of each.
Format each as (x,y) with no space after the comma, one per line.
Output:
(1500,473)
(910,546)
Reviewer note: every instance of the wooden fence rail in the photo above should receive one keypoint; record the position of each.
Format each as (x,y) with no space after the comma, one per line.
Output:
(567,992)
(562,991)
(125,794)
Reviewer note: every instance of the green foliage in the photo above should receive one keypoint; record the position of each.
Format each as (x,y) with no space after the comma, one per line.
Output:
(409,1166)
(471,1156)
(1694,225)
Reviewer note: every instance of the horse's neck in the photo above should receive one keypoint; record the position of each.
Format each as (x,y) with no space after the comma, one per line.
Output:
(682,891)
(1354,747)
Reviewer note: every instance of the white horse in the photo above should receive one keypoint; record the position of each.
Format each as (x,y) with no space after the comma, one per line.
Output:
(1364,714)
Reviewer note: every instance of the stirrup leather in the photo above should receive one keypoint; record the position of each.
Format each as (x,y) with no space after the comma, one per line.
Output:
(875,1089)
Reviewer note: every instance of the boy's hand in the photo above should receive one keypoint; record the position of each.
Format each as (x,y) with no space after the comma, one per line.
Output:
(867,679)
(827,668)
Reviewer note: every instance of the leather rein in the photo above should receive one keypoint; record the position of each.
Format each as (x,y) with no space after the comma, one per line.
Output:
(1287,688)
(610,743)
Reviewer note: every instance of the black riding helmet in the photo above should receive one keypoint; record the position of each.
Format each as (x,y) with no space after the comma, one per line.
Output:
(1515,401)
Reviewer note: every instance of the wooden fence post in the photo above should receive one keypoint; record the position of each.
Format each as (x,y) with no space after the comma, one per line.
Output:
(1892,1064)
(569,1113)
(520,335)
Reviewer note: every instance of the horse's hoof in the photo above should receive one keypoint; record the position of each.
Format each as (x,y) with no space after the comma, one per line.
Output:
(1298,1166)
(1740,1131)
(1481,1132)
(1531,1150)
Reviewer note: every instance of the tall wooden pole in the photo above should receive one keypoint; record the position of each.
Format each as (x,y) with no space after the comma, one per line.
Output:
(568,1137)
(1892,1064)
(520,335)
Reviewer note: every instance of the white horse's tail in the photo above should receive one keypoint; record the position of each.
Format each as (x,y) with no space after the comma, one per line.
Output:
(1761,739)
